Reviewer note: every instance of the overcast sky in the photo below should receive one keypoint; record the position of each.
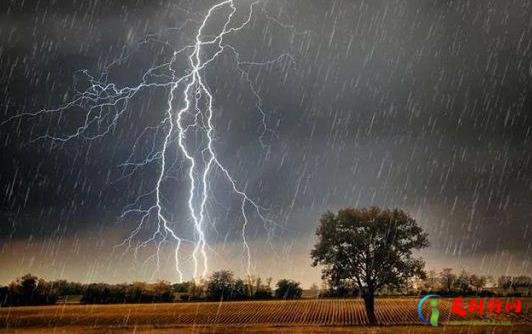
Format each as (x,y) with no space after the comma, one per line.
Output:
(419,105)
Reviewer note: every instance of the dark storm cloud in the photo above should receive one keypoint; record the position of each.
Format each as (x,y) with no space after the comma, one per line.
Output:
(423,105)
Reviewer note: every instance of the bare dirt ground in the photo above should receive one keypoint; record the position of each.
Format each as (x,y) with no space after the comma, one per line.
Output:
(302,316)
(517,329)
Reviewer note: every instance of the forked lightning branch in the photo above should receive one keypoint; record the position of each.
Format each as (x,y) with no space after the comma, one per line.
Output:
(189,115)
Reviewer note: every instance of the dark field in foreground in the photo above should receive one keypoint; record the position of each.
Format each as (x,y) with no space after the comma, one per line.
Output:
(302,316)
(518,329)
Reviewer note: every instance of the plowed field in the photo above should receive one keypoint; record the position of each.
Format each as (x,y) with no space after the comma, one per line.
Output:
(316,313)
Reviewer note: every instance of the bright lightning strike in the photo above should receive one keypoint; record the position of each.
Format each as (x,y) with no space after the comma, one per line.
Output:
(105,104)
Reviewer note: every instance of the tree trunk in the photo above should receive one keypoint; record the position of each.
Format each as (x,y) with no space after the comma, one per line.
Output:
(369,302)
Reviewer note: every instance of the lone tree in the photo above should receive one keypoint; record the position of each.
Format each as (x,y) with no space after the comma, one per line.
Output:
(371,248)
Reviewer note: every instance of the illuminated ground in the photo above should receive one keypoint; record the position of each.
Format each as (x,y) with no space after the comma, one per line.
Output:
(255,316)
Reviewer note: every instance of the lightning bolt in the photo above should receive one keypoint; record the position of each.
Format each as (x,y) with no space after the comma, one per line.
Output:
(105,104)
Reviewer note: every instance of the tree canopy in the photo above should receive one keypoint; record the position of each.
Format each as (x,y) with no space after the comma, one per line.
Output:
(288,289)
(372,248)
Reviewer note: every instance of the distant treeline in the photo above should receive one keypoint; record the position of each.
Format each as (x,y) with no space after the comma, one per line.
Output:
(222,285)
(444,283)
(28,290)
(464,283)
(137,292)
